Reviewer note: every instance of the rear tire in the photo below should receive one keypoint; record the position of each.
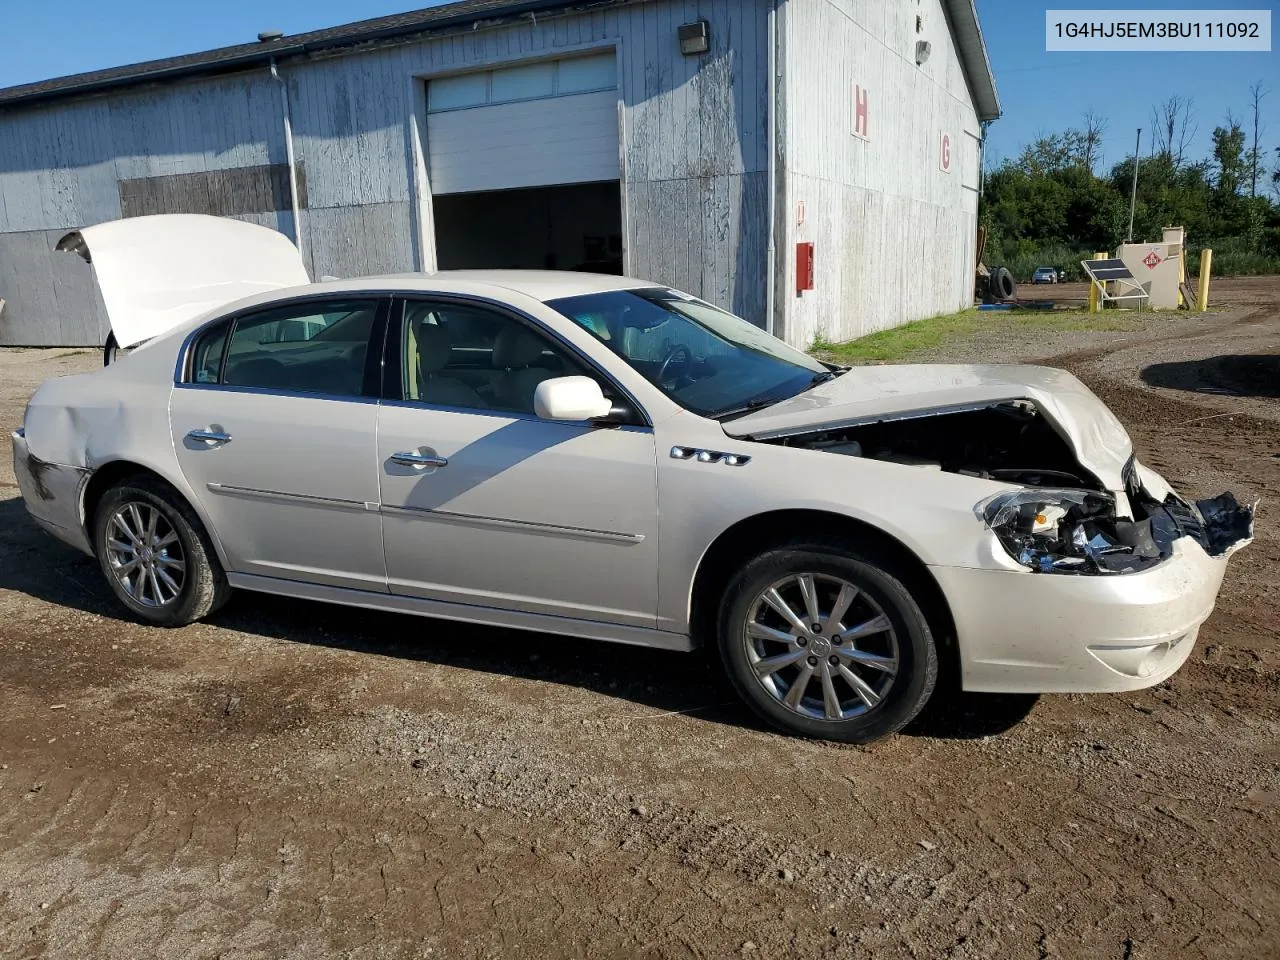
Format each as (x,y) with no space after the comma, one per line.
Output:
(861,671)
(155,554)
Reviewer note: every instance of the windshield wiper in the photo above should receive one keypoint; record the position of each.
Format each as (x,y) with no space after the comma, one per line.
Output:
(754,404)
(826,375)
(757,402)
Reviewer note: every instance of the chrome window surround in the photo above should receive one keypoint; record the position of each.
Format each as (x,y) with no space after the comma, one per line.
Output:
(182,368)
(519,316)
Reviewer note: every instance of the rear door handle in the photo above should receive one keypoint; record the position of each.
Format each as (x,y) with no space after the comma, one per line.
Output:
(211,437)
(408,458)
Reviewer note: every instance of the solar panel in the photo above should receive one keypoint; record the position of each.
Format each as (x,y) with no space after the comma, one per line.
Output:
(1109,270)
(1112,270)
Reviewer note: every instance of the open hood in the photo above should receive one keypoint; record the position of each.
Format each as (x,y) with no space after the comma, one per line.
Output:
(891,392)
(157,272)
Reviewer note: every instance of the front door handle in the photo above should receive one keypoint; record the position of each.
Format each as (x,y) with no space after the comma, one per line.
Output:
(211,437)
(408,458)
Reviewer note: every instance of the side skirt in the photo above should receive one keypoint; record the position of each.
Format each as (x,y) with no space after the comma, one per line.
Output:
(467,613)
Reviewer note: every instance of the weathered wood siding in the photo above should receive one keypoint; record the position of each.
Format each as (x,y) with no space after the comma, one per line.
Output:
(693,138)
(61,166)
(893,234)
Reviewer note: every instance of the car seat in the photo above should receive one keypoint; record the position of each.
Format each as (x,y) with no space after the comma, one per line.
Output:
(266,372)
(434,352)
(515,352)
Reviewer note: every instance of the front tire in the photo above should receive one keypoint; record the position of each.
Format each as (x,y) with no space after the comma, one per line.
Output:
(824,642)
(155,554)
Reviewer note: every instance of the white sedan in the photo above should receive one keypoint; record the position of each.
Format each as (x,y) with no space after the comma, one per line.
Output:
(609,458)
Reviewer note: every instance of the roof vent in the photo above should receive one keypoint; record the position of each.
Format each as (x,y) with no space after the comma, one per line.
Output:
(266,36)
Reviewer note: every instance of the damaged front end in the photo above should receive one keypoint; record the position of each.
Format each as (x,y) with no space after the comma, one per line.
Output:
(1064,519)
(1079,532)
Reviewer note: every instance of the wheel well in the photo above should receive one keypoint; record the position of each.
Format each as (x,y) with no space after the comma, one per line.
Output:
(103,479)
(749,537)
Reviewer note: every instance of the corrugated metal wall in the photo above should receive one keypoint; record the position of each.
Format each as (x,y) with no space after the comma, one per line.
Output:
(893,234)
(694,156)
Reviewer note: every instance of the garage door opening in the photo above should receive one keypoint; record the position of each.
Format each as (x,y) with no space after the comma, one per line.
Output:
(523,162)
(569,227)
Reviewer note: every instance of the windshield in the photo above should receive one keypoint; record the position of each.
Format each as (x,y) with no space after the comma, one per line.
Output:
(705,359)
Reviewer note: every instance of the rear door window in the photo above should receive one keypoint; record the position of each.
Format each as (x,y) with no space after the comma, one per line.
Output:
(318,347)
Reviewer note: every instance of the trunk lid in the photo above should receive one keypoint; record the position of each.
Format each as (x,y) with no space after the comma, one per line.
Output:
(868,394)
(157,272)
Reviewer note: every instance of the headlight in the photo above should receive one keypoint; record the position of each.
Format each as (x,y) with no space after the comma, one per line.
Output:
(1068,531)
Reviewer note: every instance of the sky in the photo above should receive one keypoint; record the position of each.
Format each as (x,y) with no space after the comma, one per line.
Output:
(1044,92)
(1040,92)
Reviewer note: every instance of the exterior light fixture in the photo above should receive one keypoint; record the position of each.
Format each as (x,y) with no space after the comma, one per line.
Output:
(694,37)
(923,49)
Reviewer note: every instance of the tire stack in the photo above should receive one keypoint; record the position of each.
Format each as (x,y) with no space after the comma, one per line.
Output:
(1000,286)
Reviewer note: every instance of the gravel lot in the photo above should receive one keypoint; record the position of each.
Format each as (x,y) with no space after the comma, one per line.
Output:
(297,780)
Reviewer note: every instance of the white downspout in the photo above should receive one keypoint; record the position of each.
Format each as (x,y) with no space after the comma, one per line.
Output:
(771,279)
(291,159)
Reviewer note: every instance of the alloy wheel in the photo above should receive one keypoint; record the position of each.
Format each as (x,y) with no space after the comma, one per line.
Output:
(821,647)
(145,554)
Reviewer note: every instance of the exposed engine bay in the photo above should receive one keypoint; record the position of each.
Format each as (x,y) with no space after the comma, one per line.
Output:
(1008,441)
(1065,521)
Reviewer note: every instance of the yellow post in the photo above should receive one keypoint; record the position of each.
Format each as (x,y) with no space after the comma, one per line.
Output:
(1093,287)
(1206,262)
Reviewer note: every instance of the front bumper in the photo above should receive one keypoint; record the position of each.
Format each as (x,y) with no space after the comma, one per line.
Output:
(1022,632)
(52,493)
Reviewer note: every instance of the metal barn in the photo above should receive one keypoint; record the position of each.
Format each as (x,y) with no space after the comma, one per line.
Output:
(812,165)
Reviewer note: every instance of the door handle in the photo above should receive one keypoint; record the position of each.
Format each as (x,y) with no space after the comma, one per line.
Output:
(211,437)
(408,458)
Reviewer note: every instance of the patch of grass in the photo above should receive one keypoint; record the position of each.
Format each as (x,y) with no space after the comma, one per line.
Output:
(821,344)
(899,342)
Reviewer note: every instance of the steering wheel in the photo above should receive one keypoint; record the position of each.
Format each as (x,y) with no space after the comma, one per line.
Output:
(678,350)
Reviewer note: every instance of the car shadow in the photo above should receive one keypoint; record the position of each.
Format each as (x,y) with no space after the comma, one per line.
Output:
(1233,375)
(952,714)
(37,565)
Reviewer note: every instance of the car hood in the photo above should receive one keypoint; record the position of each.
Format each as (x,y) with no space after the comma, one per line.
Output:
(157,272)
(893,392)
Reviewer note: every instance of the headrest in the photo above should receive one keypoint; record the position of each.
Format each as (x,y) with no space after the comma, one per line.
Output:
(434,348)
(516,347)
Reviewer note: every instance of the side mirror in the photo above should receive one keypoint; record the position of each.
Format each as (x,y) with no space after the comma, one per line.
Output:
(570,398)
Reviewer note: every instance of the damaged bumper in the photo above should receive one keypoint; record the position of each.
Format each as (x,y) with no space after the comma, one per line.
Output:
(1023,632)
(51,492)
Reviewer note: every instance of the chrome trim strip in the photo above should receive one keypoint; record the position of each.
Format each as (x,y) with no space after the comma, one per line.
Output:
(579,533)
(274,392)
(251,494)
(508,415)
(466,613)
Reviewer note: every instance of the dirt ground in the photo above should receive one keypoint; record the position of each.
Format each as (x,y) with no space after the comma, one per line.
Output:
(297,780)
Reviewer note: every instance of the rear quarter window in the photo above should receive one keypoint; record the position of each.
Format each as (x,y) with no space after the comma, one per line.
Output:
(206,364)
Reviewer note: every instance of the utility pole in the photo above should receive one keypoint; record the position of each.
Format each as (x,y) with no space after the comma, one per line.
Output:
(1257,93)
(1133,194)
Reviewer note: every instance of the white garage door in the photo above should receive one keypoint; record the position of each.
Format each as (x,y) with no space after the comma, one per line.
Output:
(532,125)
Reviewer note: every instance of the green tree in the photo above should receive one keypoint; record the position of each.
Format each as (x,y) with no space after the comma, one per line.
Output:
(1047,205)
(1228,158)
